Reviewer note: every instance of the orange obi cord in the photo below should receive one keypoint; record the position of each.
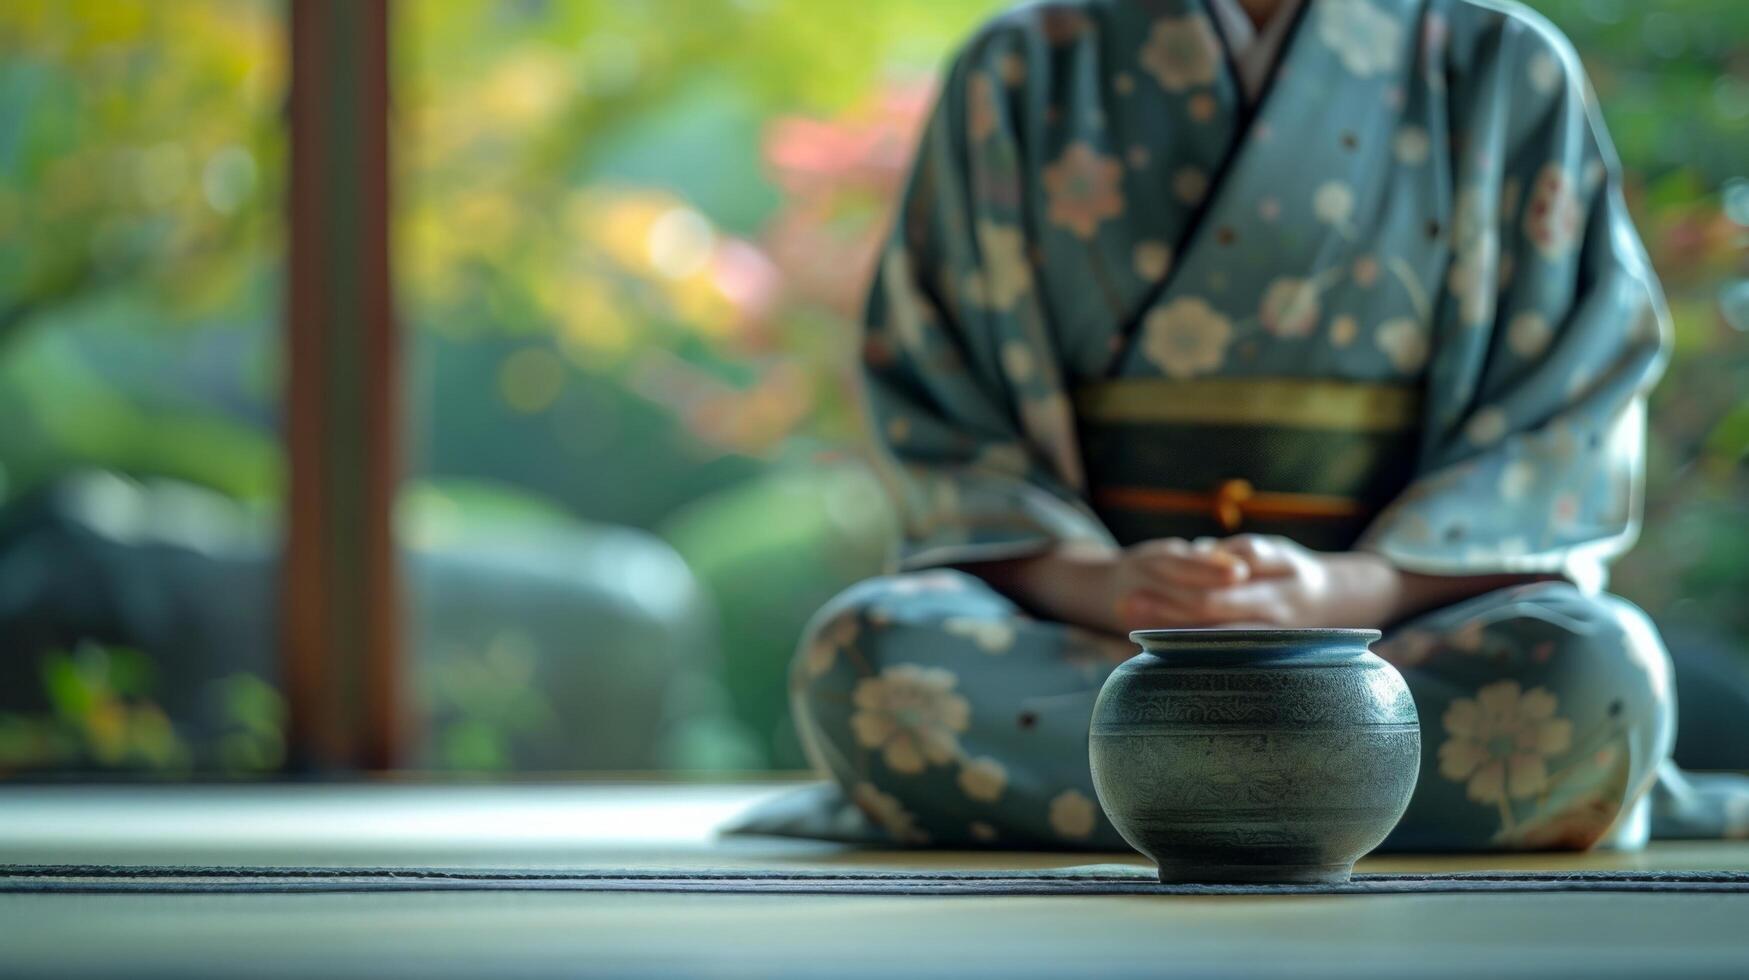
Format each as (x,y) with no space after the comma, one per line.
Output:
(1231,503)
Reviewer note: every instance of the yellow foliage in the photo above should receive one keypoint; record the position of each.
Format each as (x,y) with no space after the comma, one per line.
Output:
(528,86)
(592,326)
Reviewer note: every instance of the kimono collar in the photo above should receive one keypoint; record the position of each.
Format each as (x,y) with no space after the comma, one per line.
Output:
(1254,51)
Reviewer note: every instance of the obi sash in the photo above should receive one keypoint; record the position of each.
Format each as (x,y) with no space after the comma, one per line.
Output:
(1313,460)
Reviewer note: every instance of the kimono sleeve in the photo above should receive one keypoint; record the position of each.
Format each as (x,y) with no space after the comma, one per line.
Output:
(964,386)
(1552,329)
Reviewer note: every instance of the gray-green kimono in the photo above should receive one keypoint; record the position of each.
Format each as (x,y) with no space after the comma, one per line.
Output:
(1396,305)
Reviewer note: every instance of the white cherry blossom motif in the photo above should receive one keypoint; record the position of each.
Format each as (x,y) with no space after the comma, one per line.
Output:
(1516,479)
(1500,741)
(1290,307)
(821,653)
(1486,427)
(983,779)
(1475,264)
(1007,273)
(1343,330)
(1072,815)
(906,309)
(1409,648)
(888,814)
(1368,41)
(1411,146)
(1528,334)
(1471,218)
(1472,280)
(1333,202)
(1083,186)
(1186,337)
(1049,421)
(1017,361)
(1404,341)
(1544,71)
(1152,260)
(1182,52)
(990,635)
(1552,218)
(912,715)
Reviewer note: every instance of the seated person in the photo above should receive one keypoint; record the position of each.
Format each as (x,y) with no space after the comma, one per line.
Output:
(1162,341)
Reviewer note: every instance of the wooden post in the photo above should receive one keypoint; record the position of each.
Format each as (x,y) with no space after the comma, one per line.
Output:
(341,601)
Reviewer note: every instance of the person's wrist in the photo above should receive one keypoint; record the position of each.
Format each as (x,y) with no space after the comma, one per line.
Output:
(1368,590)
(1092,584)
(1074,582)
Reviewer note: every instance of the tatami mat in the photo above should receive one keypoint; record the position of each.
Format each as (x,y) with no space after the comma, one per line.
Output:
(569,825)
(570,829)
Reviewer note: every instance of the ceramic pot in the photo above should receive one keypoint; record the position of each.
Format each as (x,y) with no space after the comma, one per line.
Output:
(1255,755)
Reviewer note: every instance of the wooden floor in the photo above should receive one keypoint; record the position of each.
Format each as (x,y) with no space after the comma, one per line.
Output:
(666,826)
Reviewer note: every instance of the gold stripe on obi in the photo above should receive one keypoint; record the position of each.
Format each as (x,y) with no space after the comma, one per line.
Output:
(1311,459)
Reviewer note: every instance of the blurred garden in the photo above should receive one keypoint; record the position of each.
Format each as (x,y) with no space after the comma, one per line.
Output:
(631,242)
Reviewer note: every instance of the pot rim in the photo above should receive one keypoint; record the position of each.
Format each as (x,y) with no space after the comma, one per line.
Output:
(1206,636)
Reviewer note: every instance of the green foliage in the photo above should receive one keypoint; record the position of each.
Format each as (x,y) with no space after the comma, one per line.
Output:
(143,147)
(773,551)
(70,414)
(100,715)
(491,701)
(1670,79)
(141,157)
(631,239)
(254,718)
(1674,87)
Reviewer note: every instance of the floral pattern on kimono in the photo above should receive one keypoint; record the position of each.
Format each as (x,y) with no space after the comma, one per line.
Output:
(1449,213)
(1424,201)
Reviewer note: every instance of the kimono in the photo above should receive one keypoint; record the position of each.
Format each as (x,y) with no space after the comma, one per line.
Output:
(1392,303)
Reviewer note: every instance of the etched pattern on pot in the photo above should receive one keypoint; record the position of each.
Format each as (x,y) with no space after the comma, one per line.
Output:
(1268,764)
(1299,695)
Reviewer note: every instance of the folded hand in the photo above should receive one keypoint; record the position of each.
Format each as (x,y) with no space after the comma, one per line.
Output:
(1268,581)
